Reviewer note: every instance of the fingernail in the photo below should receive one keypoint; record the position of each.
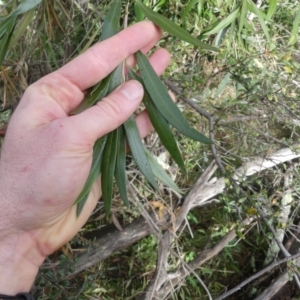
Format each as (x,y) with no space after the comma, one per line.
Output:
(132,90)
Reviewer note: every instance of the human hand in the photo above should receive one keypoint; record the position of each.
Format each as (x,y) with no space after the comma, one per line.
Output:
(47,154)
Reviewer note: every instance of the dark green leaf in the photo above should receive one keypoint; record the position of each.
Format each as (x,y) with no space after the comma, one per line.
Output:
(116,78)
(100,90)
(161,126)
(164,102)
(173,28)
(219,25)
(243,14)
(112,19)
(6,31)
(80,205)
(137,150)
(108,168)
(94,173)
(96,93)
(120,170)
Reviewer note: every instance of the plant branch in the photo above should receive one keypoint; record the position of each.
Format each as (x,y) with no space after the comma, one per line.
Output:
(255,276)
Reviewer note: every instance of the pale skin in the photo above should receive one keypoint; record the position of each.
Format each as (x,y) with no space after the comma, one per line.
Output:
(47,154)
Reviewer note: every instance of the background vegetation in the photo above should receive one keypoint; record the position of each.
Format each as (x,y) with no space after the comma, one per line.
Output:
(249,91)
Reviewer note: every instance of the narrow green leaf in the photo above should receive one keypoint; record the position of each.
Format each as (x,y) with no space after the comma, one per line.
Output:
(243,15)
(187,9)
(161,126)
(8,26)
(260,16)
(137,150)
(94,173)
(219,25)
(224,82)
(220,36)
(116,78)
(96,93)
(173,28)
(138,13)
(272,8)
(294,36)
(160,173)
(108,168)
(164,102)
(112,19)
(25,6)
(80,205)
(100,90)
(22,27)
(120,170)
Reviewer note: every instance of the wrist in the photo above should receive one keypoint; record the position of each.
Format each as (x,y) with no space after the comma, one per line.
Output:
(20,260)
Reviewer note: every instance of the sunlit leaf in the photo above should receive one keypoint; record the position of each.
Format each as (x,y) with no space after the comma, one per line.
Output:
(164,102)
(173,28)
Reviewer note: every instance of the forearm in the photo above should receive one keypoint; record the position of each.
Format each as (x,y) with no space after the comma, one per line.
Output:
(19,263)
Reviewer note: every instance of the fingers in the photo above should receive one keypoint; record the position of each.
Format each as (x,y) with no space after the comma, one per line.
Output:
(98,61)
(109,113)
(116,108)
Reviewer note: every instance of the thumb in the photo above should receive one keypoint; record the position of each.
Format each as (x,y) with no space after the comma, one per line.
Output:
(110,112)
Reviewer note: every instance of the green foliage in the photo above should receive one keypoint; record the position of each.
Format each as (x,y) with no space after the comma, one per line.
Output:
(251,86)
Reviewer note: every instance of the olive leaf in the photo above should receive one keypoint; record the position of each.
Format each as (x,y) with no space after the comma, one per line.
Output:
(109,156)
(137,150)
(96,93)
(120,171)
(164,102)
(161,126)
(108,168)
(112,19)
(94,173)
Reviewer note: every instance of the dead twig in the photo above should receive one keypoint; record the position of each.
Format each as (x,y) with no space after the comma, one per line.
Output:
(258,274)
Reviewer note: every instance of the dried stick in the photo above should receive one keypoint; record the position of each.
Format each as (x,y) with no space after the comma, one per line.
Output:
(258,274)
